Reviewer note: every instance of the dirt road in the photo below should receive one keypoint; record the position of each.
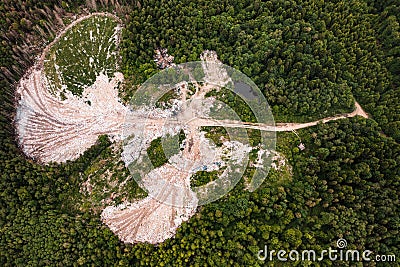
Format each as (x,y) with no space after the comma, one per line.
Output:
(279,127)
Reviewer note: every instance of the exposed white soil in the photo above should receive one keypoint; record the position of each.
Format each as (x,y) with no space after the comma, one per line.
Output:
(51,129)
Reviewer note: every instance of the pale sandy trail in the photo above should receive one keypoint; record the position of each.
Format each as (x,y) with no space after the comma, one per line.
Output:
(279,127)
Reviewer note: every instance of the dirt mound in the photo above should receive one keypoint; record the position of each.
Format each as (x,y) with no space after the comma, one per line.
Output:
(51,129)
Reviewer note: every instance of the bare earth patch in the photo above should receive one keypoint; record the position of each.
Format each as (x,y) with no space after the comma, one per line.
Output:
(50,129)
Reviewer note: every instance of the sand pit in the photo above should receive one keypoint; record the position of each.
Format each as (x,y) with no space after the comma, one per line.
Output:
(50,129)
(54,128)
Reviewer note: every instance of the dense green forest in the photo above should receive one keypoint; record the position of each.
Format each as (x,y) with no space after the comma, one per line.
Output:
(311,59)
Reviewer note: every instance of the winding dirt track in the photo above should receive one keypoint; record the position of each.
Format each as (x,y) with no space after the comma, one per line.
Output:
(152,219)
(54,130)
(279,127)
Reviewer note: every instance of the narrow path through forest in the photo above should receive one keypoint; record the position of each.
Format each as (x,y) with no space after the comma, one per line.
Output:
(279,127)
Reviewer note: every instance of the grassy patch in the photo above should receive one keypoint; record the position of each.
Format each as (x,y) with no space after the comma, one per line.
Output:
(167,99)
(235,102)
(104,181)
(156,153)
(202,178)
(216,133)
(82,53)
(161,149)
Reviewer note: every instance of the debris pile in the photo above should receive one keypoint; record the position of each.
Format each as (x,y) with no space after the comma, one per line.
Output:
(51,129)
(214,70)
(162,59)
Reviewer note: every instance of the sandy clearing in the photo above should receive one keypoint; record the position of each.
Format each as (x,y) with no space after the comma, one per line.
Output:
(51,129)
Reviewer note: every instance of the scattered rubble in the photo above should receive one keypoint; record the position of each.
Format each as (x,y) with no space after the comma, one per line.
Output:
(51,129)
(156,217)
(301,146)
(162,59)
(278,161)
(214,70)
